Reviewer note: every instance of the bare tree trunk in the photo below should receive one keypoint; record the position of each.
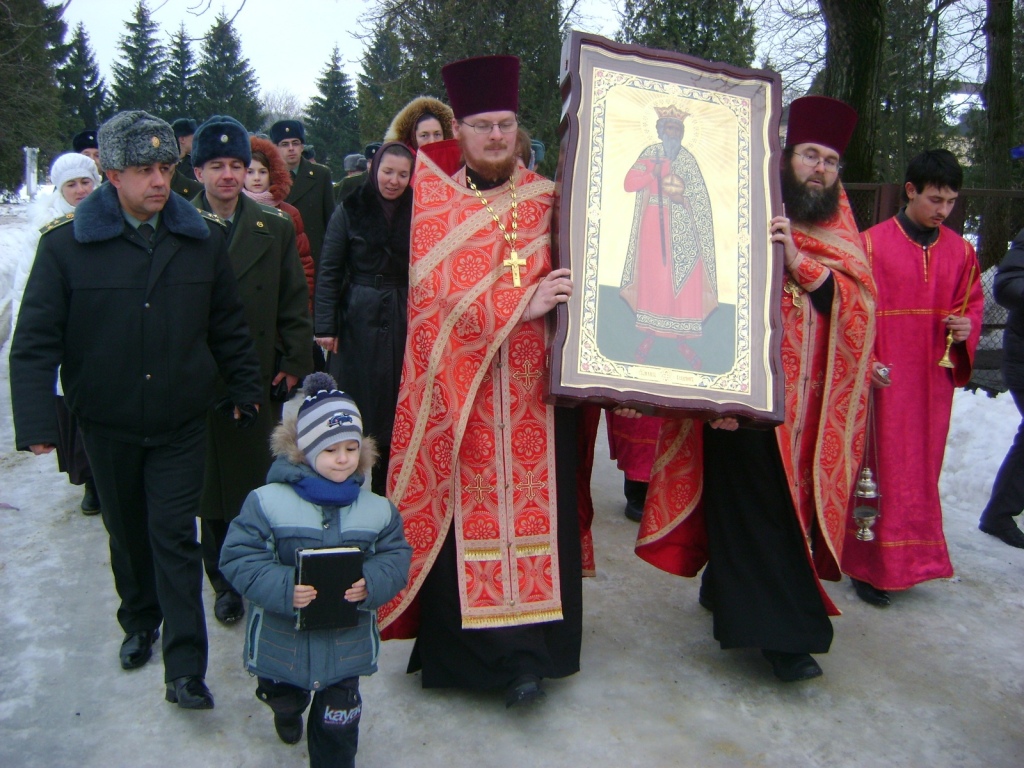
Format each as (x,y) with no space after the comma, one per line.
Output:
(855,30)
(997,94)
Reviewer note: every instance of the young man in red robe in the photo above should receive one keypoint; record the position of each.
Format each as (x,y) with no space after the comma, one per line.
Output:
(928,287)
(494,597)
(766,509)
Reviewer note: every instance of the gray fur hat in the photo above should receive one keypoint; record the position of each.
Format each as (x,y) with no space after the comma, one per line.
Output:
(136,138)
(352,162)
(221,136)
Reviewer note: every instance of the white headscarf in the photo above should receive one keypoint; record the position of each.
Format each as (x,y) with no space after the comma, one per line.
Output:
(70,165)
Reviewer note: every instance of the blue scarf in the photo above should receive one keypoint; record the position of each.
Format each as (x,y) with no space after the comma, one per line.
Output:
(325,493)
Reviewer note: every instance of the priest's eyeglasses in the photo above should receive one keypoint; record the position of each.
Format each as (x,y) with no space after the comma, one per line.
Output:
(505,126)
(811,160)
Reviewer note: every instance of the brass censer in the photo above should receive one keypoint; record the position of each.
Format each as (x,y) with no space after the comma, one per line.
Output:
(864,515)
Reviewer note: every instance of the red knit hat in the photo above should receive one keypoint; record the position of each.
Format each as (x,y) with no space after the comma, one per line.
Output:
(482,84)
(821,120)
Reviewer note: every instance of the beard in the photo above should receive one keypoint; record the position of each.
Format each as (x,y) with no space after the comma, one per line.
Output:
(492,170)
(671,145)
(805,204)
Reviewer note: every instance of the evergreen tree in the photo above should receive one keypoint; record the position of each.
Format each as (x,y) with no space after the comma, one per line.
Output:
(31,47)
(179,85)
(137,76)
(387,83)
(82,88)
(332,122)
(716,30)
(227,82)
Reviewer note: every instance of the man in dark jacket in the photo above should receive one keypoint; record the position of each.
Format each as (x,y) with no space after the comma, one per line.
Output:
(272,285)
(312,191)
(1008,489)
(137,303)
(184,181)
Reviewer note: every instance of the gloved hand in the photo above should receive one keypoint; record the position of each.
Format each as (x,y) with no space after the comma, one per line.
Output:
(247,415)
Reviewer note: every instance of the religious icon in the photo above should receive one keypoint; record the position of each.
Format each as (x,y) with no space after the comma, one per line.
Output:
(671,242)
(667,179)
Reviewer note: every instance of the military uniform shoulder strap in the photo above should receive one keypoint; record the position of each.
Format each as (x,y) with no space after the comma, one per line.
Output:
(59,221)
(212,217)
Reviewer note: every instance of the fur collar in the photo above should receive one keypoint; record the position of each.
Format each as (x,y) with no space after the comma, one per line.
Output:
(99,217)
(284,442)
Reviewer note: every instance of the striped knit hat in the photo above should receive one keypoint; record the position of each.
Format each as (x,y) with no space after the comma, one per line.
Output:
(327,416)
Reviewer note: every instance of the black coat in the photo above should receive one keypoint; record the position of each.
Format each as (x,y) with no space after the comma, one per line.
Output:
(140,331)
(1008,291)
(368,315)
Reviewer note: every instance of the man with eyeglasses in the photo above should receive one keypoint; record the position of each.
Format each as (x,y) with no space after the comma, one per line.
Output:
(494,597)
(766,509)
(929,292)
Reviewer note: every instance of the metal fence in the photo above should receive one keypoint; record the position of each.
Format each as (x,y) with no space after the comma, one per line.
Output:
(872,203)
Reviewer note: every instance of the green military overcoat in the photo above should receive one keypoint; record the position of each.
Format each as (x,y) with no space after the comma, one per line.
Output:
(273,289)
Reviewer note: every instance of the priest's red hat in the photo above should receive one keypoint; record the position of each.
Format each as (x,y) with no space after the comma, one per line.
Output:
(821,120)
(482,84)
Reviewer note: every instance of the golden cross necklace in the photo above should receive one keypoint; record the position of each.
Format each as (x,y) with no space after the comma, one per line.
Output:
(513,261)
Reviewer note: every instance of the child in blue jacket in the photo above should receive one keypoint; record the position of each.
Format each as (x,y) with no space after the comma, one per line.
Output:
(315,497)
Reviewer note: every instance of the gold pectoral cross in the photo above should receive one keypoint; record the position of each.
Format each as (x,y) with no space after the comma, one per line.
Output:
(514,263)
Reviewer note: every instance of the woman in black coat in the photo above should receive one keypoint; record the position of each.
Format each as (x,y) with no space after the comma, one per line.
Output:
(362,293)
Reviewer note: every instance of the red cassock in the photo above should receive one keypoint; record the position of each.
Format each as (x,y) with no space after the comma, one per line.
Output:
(918,288)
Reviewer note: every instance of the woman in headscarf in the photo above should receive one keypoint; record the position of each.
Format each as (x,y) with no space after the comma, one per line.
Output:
(74,177)
(268,181)
(362,294)
(423,120)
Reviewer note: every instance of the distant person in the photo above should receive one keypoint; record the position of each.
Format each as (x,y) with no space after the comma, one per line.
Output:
(1007,499)
(273,288)
(422,121)
(85,143)
(268,182)
(316,496)
(362,297)
(140,344)
(929,285)
(74,177)
(355,175)
(312,191)
(184,182)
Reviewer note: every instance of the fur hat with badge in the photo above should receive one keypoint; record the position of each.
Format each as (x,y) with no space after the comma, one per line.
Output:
(136,138)
(221,136)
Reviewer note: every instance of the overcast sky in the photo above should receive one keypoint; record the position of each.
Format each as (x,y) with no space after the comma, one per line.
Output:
(288,42)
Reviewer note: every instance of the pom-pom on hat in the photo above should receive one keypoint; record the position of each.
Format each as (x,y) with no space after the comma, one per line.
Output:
(327,416)
(821,120)
(136,138)
(85,140)
(220,136)
(287,129)
(482,84)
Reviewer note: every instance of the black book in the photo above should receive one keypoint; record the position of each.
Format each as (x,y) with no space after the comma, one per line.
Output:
(331,571)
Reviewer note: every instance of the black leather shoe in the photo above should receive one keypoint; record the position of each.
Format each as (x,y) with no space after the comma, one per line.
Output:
(525,689)
(229,607)
(288,727)
(137,648)
(90,500)
(871,594)
(189,692)
(1012,535)
(633,512)
(705,600)
(792,667)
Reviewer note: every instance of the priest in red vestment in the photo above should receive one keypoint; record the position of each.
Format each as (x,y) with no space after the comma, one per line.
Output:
(928,286)
(766,509)
(495,596)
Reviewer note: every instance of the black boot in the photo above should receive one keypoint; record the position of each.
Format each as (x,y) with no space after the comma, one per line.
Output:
(90,500)
(635,492)
(288,704)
